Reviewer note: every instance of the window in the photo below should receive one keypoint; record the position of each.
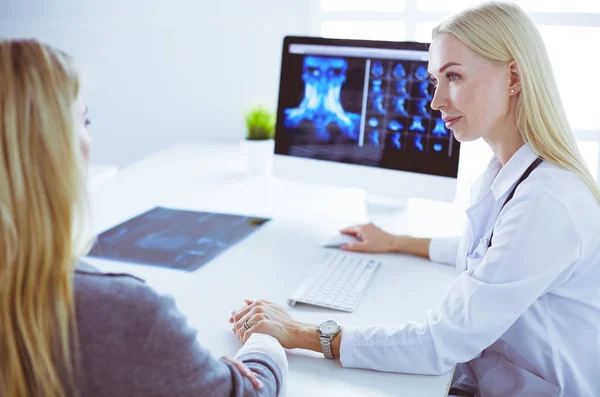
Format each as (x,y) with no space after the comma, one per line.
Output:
(362,5)
(371,30)
(445,6)
(568,28)
(580,6)
(569,50)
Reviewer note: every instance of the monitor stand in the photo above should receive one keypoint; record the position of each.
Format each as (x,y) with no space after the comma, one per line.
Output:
(384,209)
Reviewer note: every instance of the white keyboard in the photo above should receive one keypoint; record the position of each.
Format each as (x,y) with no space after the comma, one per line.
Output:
(339,284)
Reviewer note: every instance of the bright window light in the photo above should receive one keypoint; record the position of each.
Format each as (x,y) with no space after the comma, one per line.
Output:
(590,151)
(370,30)
(445,5)
(584,6)
(362,5)
(569,50)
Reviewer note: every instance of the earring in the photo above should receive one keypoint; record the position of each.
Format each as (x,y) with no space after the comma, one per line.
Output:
(512,90)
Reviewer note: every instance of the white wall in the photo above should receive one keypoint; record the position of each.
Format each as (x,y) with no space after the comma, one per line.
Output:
(165,71)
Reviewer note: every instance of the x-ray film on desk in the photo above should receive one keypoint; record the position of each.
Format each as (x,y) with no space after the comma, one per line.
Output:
(172,238)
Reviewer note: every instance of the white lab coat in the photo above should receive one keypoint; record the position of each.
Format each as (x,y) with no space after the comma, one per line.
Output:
(523,315)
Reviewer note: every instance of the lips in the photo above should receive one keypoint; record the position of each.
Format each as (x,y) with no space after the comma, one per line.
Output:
(450,121)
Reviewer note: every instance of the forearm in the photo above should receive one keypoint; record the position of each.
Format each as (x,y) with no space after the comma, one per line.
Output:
(306,335)
(307,338)
(412,246)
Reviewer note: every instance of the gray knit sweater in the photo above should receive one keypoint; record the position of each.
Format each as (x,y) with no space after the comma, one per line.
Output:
(134,342)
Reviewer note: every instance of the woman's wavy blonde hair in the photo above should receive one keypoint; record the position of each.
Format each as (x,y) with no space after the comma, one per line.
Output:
(43,213)
(503,32)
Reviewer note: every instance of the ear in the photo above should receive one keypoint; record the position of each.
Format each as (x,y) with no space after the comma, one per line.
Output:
(514,78)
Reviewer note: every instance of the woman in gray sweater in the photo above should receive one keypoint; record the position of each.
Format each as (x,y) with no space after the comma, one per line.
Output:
(68,329)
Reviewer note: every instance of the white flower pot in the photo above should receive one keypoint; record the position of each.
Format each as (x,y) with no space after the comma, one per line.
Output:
(259,155)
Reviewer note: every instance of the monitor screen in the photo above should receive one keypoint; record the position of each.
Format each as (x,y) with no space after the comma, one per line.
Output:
(362,102)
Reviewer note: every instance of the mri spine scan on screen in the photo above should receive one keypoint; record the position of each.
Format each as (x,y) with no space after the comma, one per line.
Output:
(323,79)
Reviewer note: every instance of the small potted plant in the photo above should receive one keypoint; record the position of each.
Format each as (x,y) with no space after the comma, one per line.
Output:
(260,130)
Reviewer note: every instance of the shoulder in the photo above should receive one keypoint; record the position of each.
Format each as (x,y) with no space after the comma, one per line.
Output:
(93,283)
(560,197)
(102,296)
(564,188)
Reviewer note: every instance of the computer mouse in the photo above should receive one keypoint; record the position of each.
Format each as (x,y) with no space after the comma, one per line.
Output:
(336,241)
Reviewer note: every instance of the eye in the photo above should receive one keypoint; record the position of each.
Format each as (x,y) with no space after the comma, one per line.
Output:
(452,76)
(433,81)
(87,122)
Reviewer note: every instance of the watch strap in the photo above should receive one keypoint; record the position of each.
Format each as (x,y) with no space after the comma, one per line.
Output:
(326,346)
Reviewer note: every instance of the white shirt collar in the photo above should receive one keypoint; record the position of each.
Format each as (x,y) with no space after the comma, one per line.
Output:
(512,170)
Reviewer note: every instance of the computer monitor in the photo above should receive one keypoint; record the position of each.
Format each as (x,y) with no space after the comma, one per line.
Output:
(357,113)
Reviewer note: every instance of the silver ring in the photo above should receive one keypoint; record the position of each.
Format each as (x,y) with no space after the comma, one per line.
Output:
(246,325)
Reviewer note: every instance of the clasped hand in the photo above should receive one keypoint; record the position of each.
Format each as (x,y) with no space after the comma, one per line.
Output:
(266,318)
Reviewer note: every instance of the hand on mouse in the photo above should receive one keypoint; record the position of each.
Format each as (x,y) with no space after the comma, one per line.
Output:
(373,239)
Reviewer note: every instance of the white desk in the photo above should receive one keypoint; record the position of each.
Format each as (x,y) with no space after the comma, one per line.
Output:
(270,263)
(100,173)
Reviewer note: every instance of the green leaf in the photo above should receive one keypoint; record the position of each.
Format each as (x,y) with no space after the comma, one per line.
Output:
(260,124)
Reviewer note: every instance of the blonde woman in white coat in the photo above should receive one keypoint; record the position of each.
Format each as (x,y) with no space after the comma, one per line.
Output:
(523,316)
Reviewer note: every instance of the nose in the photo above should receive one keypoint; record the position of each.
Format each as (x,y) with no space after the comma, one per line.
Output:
(440,98)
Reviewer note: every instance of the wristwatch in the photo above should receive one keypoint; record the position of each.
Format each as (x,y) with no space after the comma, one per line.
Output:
(327,331)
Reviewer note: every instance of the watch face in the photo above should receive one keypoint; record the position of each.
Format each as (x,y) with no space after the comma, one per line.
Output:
(329,327)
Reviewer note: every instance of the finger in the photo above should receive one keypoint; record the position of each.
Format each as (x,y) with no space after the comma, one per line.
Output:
(249,306)
(253,316)
(235,363)
(272,307)
(260,327)
(241,330)
(245,371)
(255,381)
(257,323)
(351,230)
(250,317)
(232,313)
(240,323)
(242,312)
(362,246)
(263,307)
(248,301)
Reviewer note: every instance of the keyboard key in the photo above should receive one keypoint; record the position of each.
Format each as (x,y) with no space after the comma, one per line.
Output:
(341,282)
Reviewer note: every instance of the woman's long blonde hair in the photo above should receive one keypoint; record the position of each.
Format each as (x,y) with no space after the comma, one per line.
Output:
(43,209)
(503,32)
